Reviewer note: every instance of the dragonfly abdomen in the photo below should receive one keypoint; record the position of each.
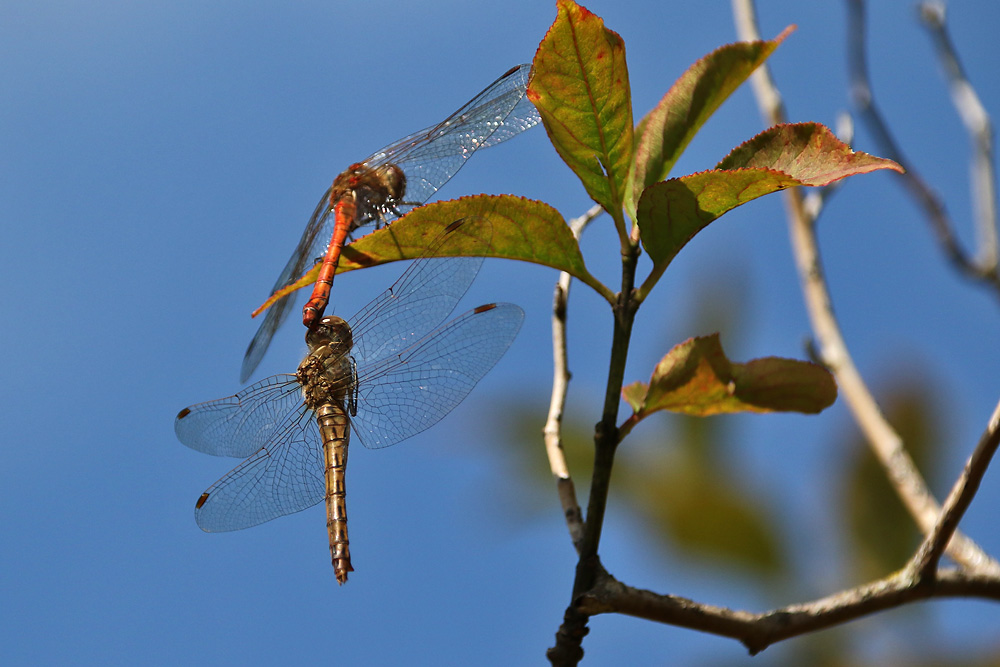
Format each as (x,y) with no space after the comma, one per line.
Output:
(334,429)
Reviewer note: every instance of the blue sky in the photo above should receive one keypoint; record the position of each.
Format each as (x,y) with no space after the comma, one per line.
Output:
(158,162)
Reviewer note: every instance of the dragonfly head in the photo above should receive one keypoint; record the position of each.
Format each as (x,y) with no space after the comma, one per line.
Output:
(330,330)
(393,180)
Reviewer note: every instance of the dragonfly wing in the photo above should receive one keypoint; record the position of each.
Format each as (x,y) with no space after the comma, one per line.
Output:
(423,297)
(430,157)
(523,116)
(283,477)
(242,424)
(311,246)
(409,392)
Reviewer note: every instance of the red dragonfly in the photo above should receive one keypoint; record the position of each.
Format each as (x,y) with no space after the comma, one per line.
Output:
(393,370)
(386,185)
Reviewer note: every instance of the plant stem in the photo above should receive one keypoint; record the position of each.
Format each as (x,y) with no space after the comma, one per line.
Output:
(568,649)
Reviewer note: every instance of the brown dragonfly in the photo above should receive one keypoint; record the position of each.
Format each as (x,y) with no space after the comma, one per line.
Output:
(388,373)
(386,185)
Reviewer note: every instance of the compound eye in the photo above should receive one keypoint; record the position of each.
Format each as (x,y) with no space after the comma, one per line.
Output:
(394,181)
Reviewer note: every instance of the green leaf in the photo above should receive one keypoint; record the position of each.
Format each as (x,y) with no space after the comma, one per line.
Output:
(671,212)
(522,229)
(696,378)
(517,228)
(581,89)
(665,131)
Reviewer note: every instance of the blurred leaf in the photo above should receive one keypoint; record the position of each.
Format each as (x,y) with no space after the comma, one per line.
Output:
(719,516)
(665,131)
(519,228)
(519,421)
(883,532)
(695,378)
(670,213)
(692,499)
(685,496)
(581,89)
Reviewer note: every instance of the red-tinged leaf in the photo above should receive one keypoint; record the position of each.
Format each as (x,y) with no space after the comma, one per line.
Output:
(671,212)
(581,89)
(518,228)
(665,131)
(696,378)
(808,152)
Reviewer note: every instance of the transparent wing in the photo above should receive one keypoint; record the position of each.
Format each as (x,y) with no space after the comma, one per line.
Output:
(406,393)
(312,245)
(423,297)
(283,477)
(268,423)
(430,157)
(241,424)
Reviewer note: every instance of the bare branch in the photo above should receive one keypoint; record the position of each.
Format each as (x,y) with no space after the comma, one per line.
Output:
(977,123)
(757,631)
(927,199)
(927,557)
(766,93)
(884,441)
(552,432)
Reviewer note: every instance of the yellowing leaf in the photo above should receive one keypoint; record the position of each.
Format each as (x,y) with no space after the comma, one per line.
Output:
(665,131)
(581,89)
(518,228)
(696,378)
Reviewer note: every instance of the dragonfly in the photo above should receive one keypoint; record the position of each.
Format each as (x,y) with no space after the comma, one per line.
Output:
(386,185)
(390,372)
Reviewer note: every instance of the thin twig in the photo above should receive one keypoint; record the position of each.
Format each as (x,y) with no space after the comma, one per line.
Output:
(926,198)
(929,554)
(757,631)
(568,649)
(887,445)
(977,123)
(552,432)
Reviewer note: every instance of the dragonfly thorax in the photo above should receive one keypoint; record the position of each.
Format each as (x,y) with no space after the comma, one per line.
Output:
(374,191)
(327,373)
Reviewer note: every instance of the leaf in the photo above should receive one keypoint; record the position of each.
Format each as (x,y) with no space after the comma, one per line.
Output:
(522,229)
(671,212)
(808,152)
(696,501)
(695,378)
(581,89)
(707,513)
(519,228)
(665,131)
